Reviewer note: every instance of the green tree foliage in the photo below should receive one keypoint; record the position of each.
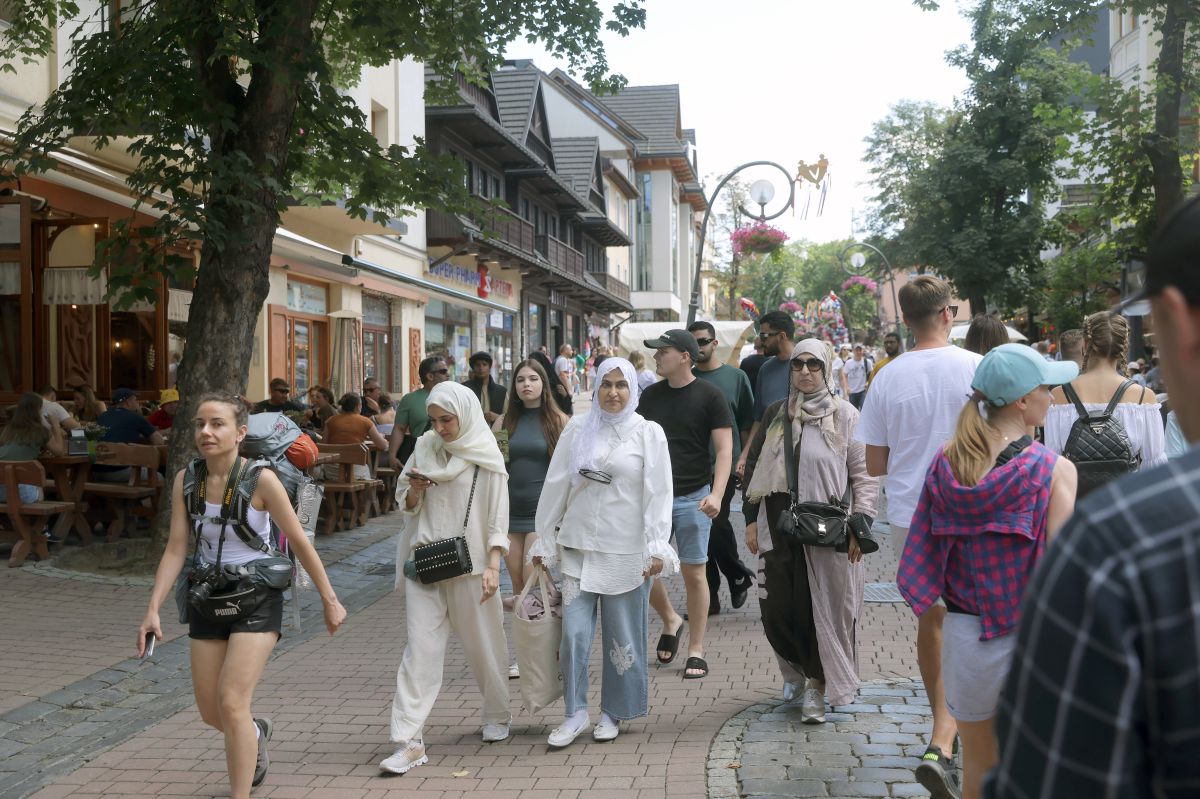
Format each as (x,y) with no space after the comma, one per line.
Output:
(1079,282)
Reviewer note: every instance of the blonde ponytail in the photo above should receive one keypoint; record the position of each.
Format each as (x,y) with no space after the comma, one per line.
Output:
(969,451)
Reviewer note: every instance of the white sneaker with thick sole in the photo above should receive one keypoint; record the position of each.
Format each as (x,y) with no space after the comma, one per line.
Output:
(409,756)
(606,729)
(813,709)
(494,732)
(565,734)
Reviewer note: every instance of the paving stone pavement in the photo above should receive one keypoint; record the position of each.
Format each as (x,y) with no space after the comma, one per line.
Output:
(99,724)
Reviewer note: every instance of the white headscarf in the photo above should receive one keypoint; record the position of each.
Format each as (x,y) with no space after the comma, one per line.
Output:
(442,461)
(599,426)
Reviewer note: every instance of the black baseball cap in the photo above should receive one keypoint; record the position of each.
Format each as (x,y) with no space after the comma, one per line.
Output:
(1174,257)
(679,339)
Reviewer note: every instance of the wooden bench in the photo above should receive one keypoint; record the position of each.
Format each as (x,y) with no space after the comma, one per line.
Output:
(126,499)
(28,539)
(360,495)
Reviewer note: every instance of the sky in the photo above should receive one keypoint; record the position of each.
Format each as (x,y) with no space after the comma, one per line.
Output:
(788,80)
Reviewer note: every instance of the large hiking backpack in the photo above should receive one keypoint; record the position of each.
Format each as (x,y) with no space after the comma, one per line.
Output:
(1098,444)
(273,437)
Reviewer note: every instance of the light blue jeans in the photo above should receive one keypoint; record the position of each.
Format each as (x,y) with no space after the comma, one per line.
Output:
(27,493)
(623,686)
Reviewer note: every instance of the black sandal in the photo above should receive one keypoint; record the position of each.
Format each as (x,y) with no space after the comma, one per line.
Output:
(668,643)
(695,663)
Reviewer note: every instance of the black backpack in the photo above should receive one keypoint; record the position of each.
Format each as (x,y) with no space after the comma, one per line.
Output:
(1098,444)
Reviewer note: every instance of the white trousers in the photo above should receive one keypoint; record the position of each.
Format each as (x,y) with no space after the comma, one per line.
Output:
(432,612)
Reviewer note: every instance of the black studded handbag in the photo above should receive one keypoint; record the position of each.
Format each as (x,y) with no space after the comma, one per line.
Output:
(449,557)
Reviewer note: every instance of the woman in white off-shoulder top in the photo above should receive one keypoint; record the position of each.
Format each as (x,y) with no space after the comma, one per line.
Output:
(1105,353)
(605,516)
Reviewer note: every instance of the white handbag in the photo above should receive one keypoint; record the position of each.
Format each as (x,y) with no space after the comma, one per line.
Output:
(536,641)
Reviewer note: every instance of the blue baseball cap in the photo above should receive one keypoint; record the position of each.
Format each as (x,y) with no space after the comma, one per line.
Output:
(1011,371)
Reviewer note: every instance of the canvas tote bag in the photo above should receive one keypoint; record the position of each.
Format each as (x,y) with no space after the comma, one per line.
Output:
(536,640)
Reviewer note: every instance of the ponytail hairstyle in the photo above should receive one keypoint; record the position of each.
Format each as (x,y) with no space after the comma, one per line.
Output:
(969,450)
(1106,335)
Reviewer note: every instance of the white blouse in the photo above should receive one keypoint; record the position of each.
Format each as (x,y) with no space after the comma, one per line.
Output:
(606,534)
(1143,424)
(439,513)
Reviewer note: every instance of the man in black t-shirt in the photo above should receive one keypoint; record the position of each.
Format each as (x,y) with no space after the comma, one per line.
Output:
(278,402)
(693,413)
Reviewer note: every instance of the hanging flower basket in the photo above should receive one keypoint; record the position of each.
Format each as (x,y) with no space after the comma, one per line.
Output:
(859,280)
(759,237)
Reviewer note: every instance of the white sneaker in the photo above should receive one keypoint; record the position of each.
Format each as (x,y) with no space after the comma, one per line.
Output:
(565,734)
(514,671)
(494,732)
(409,756)
(607,729)
(790,689)
(813,709)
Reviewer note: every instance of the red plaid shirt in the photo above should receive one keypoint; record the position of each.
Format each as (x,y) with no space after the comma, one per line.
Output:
(977,546)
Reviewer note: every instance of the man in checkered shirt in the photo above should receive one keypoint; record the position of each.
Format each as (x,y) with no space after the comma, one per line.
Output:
(1103,699)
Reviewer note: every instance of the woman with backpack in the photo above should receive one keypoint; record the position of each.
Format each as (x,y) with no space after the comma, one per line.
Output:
(453,494)
(992,499)
(1124,431)
(228,655)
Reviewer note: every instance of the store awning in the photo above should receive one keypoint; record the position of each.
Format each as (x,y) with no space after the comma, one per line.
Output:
(427,285)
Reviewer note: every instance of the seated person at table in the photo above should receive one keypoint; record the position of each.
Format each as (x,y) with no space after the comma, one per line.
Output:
(87,407)
(351,427)
(168,403)
(320,407)
(54,414)
(25,437)
(278,401)
(124,424)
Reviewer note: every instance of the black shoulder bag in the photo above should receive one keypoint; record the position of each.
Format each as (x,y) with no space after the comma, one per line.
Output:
(814,524)
(449,557)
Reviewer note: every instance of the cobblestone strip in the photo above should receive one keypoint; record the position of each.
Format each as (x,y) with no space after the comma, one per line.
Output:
(867,749)
(65,729)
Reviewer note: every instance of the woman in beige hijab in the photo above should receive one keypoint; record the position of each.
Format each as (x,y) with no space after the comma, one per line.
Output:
(811,597)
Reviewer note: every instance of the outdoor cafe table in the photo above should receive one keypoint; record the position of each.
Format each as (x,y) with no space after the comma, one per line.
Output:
(70,473)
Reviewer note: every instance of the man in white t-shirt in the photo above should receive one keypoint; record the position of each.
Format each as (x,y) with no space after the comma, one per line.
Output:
(839,365)
(910,412)
(855,372)
(564,364)
(53,413)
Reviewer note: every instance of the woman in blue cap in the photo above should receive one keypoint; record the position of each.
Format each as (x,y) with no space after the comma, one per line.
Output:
(991,501)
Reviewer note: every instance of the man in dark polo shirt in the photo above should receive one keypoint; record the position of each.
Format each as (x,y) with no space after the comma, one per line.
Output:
(124,424)
(693,414)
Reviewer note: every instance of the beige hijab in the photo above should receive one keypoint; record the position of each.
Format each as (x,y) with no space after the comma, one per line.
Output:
(819,408)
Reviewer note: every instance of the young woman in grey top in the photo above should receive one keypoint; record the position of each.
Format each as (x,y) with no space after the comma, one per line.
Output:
(534,423)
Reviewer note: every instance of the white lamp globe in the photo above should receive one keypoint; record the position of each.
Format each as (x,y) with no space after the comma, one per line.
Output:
(858,260)
(762,191)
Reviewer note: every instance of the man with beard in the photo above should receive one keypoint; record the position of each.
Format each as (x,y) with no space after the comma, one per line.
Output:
(775,331)
(891,346)
(722,545)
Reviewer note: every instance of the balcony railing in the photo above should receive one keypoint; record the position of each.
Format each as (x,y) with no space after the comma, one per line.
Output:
(498,223)
(560,255)
(612,285)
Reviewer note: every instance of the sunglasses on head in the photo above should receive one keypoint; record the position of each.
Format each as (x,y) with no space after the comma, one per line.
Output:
(812,364)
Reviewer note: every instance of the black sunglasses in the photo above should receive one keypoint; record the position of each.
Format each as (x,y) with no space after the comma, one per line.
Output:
(704,342)
(953,310)
(439,371)
(765,335)
(598,476)
(812,364)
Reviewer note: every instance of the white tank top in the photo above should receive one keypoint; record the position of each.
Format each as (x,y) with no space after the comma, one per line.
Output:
(234,552)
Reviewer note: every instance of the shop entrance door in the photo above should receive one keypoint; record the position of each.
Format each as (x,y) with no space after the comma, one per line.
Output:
(377,355)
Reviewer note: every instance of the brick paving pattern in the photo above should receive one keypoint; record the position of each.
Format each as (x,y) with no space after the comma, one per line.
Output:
(81,719)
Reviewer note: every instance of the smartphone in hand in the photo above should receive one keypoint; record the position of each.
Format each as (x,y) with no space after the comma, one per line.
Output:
(420,476)
(148,649)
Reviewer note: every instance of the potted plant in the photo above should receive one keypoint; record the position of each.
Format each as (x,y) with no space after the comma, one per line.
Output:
(759,237)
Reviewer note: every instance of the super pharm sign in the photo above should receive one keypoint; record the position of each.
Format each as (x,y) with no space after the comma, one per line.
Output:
(477,280)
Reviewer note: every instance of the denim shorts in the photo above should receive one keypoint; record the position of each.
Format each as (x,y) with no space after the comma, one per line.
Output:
(28,493)
(690,527)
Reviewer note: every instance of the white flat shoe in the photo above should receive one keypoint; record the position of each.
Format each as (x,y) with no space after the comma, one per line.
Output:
(565,736)
(494,732)
(606,730)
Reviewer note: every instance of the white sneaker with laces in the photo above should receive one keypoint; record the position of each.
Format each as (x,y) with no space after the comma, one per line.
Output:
(408,756)
(813,709)
(494,732)
(566,733)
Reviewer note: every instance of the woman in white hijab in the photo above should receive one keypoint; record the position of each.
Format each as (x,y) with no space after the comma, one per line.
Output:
(810,597)
(605,517)
(455,484)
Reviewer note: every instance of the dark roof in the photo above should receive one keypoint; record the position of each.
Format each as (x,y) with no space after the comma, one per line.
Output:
(515,89)
(653,110)
(575,159)
(689,135)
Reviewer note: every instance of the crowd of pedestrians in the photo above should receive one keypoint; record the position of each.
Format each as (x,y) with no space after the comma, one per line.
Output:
(1056,637)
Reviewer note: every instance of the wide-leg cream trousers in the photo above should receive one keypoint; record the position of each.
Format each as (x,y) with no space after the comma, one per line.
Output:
(432,612)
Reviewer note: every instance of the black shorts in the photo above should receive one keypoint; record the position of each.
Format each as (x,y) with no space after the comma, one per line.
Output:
(266,618)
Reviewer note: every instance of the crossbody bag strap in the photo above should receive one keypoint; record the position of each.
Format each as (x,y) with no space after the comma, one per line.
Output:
(1070,394)
(470,499)
(1116,398)
(791,453)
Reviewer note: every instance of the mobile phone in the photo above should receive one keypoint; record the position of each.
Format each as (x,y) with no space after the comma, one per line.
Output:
(420,476)
(149,648)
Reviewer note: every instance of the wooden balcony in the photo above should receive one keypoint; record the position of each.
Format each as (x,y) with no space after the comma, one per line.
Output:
(561,256)
(496,223)
(611,285)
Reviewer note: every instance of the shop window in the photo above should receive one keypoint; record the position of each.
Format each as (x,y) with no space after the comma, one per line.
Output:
(299,346)
(537,315)
(376,311)
(307,297)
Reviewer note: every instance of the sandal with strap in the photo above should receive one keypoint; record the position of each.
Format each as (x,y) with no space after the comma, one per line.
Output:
(698,664)
(668,643)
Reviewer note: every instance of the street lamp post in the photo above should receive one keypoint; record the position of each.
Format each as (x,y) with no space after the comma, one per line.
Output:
(858,261)
(761,192)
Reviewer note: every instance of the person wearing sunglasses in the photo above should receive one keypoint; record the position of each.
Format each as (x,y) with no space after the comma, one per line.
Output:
(411,419)
(775,331)
(279,401)
(811,598)
(604,516)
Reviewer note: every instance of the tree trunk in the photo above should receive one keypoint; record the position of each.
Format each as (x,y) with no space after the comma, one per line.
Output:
(1162,147)
(978,303)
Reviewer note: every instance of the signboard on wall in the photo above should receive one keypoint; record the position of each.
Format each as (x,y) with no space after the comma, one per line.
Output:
(477,280)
